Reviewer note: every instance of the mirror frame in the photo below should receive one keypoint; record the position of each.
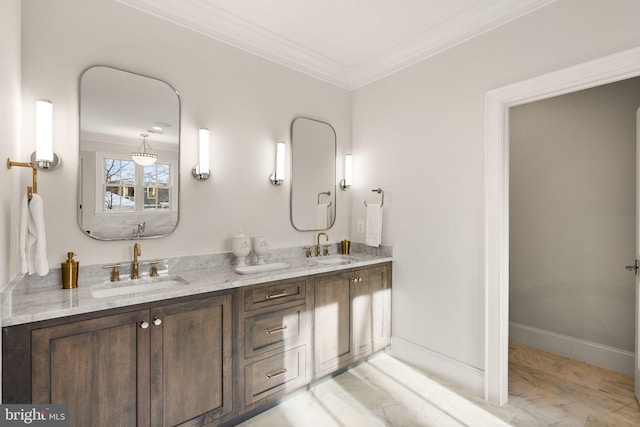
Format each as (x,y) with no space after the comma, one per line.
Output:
(335,157)
(177,172)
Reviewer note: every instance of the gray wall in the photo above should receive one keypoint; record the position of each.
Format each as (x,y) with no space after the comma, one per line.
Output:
(572,213)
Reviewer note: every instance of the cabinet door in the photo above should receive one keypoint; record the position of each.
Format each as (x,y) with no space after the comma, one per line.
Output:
(332,322)
(377,285)
(99,367)
(371,307)
(362,313)
(191,366)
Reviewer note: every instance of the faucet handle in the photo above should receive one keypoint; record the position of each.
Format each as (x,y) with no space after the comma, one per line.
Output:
(115,273)
(325,250)
(153,272)
(308,249)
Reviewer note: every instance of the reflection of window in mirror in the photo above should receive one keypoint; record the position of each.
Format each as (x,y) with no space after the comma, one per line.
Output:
(118,184)
(121,179)
(157,179)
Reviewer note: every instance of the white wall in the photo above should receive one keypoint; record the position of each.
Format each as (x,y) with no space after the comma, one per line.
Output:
(419,135)
(247,103)
(572,214)
(10,136)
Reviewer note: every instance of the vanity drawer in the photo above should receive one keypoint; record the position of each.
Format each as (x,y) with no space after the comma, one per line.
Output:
(274,294)
(274,330)
(280,373)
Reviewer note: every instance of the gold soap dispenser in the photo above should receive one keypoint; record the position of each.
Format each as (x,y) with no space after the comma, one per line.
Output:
(69,270)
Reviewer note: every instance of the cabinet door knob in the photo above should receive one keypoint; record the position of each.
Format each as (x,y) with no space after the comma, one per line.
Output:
(157,321)
(144,324)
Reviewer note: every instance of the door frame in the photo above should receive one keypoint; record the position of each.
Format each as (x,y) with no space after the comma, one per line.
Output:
(609,69)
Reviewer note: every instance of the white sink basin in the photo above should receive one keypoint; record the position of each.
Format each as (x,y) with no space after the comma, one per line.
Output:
(261,268)
(137,286)
(335,260)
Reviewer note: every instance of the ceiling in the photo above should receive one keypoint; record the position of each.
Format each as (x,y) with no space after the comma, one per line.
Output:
(349,43)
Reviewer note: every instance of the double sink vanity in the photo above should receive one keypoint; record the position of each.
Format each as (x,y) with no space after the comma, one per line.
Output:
(194,345)
(193,340)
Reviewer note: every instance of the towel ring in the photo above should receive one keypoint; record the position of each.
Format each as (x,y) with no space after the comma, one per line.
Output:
(379,191)
(328,193)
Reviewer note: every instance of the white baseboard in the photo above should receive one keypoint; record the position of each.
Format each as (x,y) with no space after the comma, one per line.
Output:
(438,364)
(586,351)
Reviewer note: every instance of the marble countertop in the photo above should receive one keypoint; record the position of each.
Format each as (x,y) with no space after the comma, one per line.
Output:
(22,303)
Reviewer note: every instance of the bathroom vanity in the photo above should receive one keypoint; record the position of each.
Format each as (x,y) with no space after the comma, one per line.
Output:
(216,350)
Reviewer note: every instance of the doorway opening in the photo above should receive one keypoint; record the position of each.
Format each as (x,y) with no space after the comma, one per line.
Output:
(572,220)
(606,70)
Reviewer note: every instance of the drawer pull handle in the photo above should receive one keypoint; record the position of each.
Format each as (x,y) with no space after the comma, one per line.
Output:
(157,321)
(277,373)
(144,324)
(278,329)
(280,295)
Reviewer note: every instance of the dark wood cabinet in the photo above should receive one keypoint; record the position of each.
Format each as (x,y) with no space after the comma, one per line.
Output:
(215,358)
(191,361)
(97,366)
(371,310)
(162,366)
(332,322)
(273,341)
(351,317)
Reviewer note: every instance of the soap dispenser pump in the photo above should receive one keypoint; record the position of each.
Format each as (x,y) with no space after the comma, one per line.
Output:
(69,270)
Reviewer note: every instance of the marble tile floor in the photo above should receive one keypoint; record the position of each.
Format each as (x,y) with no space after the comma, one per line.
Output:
(544,390)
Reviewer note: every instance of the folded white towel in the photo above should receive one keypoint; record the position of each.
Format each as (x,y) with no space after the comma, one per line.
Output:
(33,243)
(323,217)
(374,225)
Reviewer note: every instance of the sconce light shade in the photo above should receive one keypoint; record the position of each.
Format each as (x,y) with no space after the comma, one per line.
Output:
(201,171)
(44,157)
(348,172)
(277,177)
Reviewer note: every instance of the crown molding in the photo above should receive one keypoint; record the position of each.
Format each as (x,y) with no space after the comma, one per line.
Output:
(480,18)
(211,21)
(216,23)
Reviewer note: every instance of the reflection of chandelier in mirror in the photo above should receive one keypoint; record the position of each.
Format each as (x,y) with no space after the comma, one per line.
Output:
(144,157)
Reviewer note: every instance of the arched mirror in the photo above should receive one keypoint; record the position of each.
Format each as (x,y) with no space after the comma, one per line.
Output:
(128,173)
(313,175)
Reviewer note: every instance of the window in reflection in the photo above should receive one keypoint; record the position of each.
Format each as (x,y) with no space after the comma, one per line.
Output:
(123,179)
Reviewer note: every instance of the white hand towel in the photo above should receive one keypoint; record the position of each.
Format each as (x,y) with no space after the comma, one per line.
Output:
(24,227)
(322,219)
(36,210)
(374,225)
(33,243)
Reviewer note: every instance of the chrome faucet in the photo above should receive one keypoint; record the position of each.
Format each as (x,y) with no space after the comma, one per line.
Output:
(318,242)
(137,251)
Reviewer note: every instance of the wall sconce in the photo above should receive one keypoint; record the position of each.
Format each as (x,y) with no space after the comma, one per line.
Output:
(201,171)
(277,177)
(346,182)
(44,158)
